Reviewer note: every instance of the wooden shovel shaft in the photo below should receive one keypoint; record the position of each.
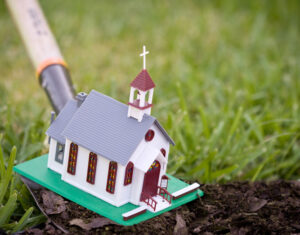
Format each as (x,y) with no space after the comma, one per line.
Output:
(43,51)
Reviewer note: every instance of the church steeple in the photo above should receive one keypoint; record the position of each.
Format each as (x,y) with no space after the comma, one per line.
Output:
(141,87)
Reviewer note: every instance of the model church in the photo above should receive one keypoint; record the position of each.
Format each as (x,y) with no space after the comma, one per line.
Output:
(116,152)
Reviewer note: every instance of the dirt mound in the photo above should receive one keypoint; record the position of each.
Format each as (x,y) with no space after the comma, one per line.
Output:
(235,208)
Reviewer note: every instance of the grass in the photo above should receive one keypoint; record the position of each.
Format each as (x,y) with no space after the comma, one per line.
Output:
(16,210)
(227,76)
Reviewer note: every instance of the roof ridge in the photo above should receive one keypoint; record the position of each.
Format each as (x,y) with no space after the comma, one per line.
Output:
(116,101)
(110,98)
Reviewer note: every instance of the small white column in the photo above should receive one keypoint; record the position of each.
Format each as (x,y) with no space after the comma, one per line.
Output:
(150,96)
(132,90)
(142,98)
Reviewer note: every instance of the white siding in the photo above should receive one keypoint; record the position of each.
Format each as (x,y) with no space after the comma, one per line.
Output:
(124,191)
(52,164)
(136,113)
(79,179)
(159,141)
(137,186)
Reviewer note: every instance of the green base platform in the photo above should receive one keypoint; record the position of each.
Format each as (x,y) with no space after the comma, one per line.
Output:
(37,171)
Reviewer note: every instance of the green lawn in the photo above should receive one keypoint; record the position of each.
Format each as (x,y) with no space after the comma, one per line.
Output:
(227,76)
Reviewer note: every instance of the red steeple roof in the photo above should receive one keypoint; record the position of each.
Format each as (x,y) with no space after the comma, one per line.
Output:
(143,81)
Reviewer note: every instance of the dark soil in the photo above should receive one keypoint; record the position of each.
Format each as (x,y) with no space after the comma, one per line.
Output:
(234,208)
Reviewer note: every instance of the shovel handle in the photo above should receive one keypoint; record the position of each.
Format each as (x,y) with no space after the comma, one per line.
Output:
(43,51)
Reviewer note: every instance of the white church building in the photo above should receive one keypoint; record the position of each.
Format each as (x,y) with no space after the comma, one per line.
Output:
(116,152)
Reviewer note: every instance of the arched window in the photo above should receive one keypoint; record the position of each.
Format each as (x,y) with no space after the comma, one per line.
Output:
(154,165)
(59,154)
(163,151)
(91,173)
(72,158)
(111,178)
(128,173)
(149,135)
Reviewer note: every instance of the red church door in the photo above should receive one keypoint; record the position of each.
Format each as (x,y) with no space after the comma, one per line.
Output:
(151,179)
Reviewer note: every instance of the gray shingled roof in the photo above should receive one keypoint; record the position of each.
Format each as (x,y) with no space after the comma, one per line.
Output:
(62,120)
(102,126)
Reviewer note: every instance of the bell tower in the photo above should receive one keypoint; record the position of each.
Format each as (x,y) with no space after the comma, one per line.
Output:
(141,92)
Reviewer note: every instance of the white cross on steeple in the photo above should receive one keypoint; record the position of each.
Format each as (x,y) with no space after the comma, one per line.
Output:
(144,56)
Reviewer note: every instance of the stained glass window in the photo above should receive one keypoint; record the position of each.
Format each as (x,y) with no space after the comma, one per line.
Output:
(154,165)
(163,152)
(128,173)
(72,158)
(111,178)
(91,173)
(149,135)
